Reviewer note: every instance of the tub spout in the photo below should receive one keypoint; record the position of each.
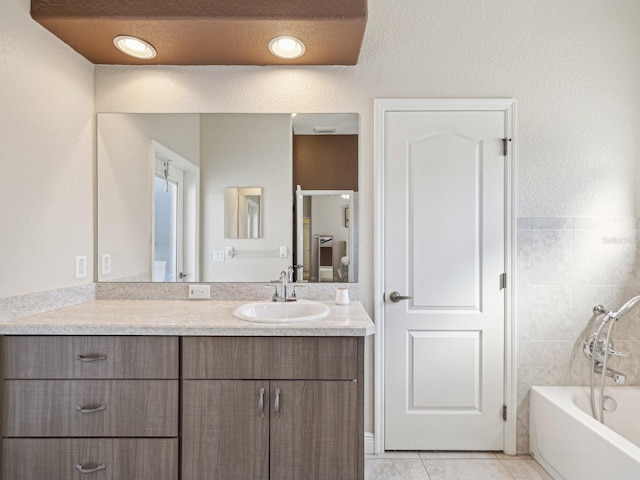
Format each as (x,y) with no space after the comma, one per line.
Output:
(614,374)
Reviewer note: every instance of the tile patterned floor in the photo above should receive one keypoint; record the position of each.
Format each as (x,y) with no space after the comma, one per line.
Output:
(452,466)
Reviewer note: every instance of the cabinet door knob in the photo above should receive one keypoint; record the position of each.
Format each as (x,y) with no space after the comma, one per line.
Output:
(277,402)
(81,469)
(91,358)
(84,410)
(261,403)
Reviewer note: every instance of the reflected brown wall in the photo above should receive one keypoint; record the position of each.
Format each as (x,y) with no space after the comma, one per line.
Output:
(325,162)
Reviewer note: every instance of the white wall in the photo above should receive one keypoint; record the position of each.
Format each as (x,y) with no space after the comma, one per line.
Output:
(327,217)
(246,151)
(46,154)
(125,181)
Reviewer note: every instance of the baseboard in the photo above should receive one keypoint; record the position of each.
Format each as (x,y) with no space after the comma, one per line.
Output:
(369,443)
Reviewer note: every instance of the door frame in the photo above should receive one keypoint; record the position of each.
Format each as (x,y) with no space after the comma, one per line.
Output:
(381,107)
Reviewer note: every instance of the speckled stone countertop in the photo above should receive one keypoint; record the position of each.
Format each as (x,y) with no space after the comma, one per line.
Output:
(184,318)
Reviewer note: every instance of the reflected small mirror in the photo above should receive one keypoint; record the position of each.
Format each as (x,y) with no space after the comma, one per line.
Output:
(242,213)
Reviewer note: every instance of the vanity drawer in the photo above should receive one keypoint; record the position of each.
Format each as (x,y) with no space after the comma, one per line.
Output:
(310,358)
(59,459)
(125,408)
(41,357)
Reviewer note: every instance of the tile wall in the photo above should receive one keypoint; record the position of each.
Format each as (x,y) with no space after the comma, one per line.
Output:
(565,267)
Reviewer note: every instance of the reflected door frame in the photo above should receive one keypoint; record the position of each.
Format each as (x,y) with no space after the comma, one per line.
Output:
(188,177)
(382,106)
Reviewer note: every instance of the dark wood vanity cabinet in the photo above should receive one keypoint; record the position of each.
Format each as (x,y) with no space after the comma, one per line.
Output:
(260,408)
(90,407)
(267,408)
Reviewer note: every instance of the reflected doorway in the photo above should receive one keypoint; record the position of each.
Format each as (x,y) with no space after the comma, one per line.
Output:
(326,242)
(174,243)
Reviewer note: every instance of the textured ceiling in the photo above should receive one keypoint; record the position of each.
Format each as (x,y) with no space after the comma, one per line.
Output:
(201,32)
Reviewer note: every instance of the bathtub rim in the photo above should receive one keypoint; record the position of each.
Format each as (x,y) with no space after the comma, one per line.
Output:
(564,398)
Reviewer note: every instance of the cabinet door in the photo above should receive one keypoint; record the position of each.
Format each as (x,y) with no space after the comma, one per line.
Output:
(314,430)
(224,434)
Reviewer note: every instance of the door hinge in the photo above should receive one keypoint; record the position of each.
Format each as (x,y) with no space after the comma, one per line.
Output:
(503,281)
(504,413)
(505,146)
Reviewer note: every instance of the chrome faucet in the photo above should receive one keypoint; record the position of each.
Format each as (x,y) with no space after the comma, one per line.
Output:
(617,376)
(598,347)
(286,277)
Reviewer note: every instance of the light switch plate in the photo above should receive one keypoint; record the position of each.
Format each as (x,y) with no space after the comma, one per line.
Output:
(218,255)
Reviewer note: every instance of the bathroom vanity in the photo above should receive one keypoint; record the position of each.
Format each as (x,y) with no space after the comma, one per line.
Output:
(182,390)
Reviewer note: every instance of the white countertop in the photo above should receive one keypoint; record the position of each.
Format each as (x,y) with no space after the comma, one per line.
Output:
(183,318)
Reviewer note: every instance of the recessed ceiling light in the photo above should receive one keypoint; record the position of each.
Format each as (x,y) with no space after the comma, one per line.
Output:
(286,47)
(135,47)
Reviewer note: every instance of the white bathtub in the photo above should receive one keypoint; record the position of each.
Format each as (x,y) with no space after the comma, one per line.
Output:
(571,445)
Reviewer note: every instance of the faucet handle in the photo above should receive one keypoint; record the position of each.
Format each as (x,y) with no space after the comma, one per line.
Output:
(275,291)
(619,354)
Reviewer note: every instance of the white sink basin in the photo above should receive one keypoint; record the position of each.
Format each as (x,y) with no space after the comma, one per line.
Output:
(281,312)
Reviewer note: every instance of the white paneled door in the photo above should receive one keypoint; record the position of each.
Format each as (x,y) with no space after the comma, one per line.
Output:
(444,247)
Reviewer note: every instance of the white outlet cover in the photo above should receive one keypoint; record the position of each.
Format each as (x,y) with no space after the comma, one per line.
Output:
(81,267)
(218,256)
(106,264)
(200,291)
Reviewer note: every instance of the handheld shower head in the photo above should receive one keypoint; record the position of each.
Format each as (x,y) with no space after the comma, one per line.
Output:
(626,307)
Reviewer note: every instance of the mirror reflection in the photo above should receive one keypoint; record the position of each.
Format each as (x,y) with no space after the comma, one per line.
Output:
(169,185)
(242,212)
(324,241)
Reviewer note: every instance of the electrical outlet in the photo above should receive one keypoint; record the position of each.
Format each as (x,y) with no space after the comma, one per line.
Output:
(283,252)
(81,267)
(106,264)
(200,291)
(218,255)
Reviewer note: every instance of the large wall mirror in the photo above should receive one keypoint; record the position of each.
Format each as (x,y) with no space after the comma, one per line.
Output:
(223,197)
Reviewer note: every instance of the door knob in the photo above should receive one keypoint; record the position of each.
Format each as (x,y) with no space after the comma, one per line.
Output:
(395,297)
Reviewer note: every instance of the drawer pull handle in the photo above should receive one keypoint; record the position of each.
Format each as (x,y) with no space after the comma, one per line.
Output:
(91,358)
(84,410)
(277,402)
(261,403)
(81,469)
